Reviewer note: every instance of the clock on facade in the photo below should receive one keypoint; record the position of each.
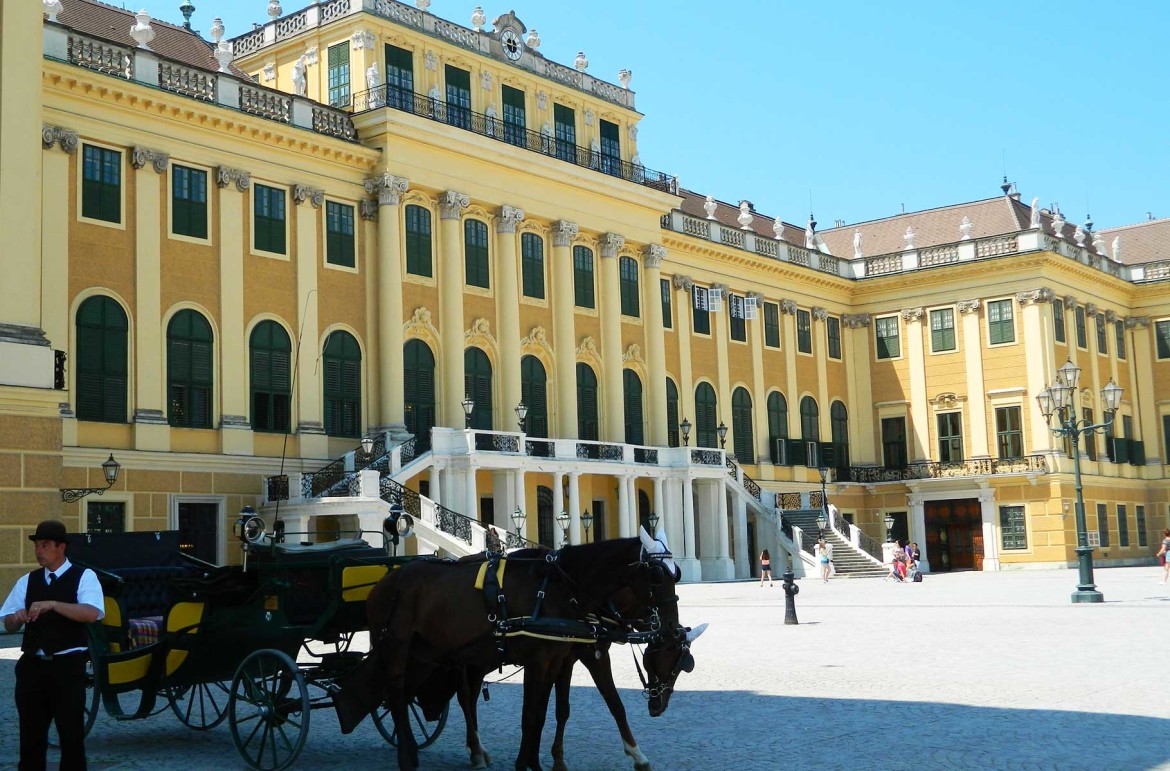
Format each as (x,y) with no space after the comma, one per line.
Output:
(510,40)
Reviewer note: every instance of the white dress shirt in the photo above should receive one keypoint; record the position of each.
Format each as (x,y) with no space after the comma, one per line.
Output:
(89,592)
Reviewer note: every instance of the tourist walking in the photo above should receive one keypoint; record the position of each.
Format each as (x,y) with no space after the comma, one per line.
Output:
(765,567)
(1164,555)
(824,556)
(54,603)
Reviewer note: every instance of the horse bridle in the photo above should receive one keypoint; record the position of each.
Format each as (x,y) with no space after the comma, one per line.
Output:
(654,562)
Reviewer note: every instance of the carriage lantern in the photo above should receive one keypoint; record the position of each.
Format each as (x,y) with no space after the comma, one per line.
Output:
(249,528)
(521,415)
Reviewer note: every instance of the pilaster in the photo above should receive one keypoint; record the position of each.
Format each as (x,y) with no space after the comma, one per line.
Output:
(55,240)
(450,273)
(821,357)
(151,431)
(391,400)
(564,328)
(759,389)
(919,409)
(652,256)
(1141,368)
(235,428)
(788,345)
(863,446)
(686,392)
(1038,347)
(990,530)
(722,366)
(972,342)
(611,338)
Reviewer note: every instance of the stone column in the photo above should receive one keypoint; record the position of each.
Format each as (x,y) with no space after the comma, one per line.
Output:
(742,560)
(391,410)
(435,488)
(759,387)
(55,296)
(522,501)
(658,506)
(788,345)
(721,521)
(1036,330)
(973,364)
(471,500)
(863,446)
(820,340)
(722,375)
(689,563)
(686,392)
(919,404)
(624,530)
(1141,373)
(990,530)
(151,431)
(507,307)
(611,339)
(450,274)
(558,507)
(918,527)
(564,331)
(574,508)
(652,256)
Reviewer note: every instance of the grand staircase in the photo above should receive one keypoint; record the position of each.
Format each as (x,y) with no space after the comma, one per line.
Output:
(851,562)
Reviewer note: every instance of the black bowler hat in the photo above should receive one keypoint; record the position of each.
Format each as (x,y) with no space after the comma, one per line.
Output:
(50,530)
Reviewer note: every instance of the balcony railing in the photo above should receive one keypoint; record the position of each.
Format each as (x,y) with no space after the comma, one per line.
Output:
(424,106)
(1029,464)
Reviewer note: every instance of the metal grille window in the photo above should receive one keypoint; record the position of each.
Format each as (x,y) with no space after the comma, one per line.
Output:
(702,316)
(583,277)
(942,330)
(189,370)
(339,75)
(475,253)
(458,96)
(804,331)
(772,325)
(950,437)
(1119,336)
(105,517)
(778,427)
(1058,320)
(1103,524)
(894,442)
(628,285)
(268,219)
(586,402)
(343,385)
(743,437)
(1082,329)
(515,116)
(1013,529)
(705,417)
(833,336)
(1102,336)
(611,148)
(101,184)
(1122,525)
(188,202)
(418,241)
(1001,326)
(339,248)
(1140,515)
(1009,435)
(532,262)
(632,394)
(667,316)
(102,363)
(565,131)
(270,369)
(735,318)
(886,334)
(399,78)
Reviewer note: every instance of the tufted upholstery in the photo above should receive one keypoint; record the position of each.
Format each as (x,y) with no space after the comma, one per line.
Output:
(146,591)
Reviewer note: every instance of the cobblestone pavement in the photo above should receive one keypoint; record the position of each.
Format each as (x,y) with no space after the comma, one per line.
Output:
(962,671)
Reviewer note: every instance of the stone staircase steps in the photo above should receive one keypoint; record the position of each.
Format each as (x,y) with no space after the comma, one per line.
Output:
(849,562)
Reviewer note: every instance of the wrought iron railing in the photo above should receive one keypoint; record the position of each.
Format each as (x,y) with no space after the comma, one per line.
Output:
(936,470)
(388,95)
(749,484)
(318,482)
(706,457)
(788,501)
(490,441)
(517,541)
(646,455)
(731,467)
(450,522)
(277,487)
(539,448)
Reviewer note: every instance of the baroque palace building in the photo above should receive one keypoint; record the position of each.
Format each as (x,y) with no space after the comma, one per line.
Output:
(227,262)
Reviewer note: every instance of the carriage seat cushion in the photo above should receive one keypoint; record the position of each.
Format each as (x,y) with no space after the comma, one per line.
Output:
(146,592)
(317,548)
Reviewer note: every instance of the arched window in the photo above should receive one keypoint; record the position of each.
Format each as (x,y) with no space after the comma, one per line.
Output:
(546,529)
(343,385)
(475,250)
(418,241)
(477,386)
(102,332)
(586,403)
(189,373)
(810,430)
(270,365)
(534,394)
(778,428)
(839,422)
(632,393)
(628,283)
(741,425)
(418,390)
(672,419)
(705,417)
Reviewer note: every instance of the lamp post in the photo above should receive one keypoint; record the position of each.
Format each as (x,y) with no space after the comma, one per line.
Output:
(889,521)
(563,521)
(521,414)
(468,407)
(1058,400)
(653,520)
(109,471)
(367,445)
(685,427)
(824,472)
(518,518)
(722,431)
(586,522)
(822,523)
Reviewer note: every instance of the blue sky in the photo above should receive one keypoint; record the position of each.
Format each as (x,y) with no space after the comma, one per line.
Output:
(869,106)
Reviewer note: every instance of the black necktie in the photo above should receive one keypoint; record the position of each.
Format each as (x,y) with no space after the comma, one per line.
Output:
(52,578)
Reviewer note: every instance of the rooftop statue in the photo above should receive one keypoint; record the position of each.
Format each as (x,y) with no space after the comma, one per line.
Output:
(1034,222)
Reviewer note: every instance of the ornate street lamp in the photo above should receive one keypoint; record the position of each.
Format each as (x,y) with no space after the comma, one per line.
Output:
(889,520)
(586,522)
(468,407)
(653,519)
(1059,400)
(521,414)
(824,472)
(822,523)
(563,521)
(685,427)
(722,431)
(109,471)
(518,518)
(367,445)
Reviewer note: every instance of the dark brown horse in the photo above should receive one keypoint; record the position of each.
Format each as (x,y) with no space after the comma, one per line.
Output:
(434,634)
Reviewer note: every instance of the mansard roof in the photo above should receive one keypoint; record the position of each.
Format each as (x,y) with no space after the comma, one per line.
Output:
(1141,242)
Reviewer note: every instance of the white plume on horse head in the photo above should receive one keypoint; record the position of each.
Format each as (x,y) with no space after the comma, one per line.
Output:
(658,545)
(694,632)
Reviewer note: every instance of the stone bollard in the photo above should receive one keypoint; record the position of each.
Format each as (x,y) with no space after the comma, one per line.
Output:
(790,592)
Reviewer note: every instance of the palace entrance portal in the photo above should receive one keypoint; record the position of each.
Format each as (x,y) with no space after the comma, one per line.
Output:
(954,534)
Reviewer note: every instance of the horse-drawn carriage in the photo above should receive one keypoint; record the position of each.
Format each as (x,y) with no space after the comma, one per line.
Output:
(259,645)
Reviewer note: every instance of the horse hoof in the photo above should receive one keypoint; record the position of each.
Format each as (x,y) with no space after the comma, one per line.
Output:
(483,761)
(559,765)
(642,767)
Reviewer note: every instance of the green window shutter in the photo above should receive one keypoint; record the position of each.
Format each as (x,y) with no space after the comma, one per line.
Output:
(271,375)
(475,251)
(611,148)
(833,333)
(515,118)
(741,426)
(418,241)
(586,403)
(565,132)
(532,261)
(189,201)
(1058,319)
(458,96)
(268,216)
(628,281)
(102,341)
(672,418)
(804,331)
(342,381)
(339,234)
(772,325)
(667,315)
(339,75)
(583,277)
(632,398)
(101,190)
(189,370)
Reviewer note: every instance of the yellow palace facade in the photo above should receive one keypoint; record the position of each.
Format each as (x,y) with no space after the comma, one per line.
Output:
(227,263)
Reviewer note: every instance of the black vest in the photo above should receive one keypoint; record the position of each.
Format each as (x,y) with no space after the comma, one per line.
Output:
(52,632)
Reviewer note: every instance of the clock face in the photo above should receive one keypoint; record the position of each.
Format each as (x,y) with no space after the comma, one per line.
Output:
(511,42)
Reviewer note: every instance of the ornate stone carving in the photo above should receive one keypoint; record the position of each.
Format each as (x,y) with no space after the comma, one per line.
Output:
(581,62)
(965,228)
(652,256)
(757,296)
(1137,321)
(588,347)
(1111,316)
(819,314)
(788,307)
(225,176)
(1042,295)
(52,8)
(485,80)
(420,318)
(363,38)
(142,32)
(1091,309)
(479,328)
(66,138)
(969,306)
(633,353)
(611,244)
(948,400)
(1058,225)
(1079,236)
(269,72)
(855,320)
(908,237)
(589,117)
(140,156)
(682,282)
(536,337)
(541,100)
(624,77)
(1069,301)
(452,203)
(1034,219)
(368,209)
(388,187)
(722,289)
(778,229)
(912,314)
(312,56)
(302,193)
(745,215)
(633,132)
(564,232)
(508,218)
(430,61)
(710,206)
